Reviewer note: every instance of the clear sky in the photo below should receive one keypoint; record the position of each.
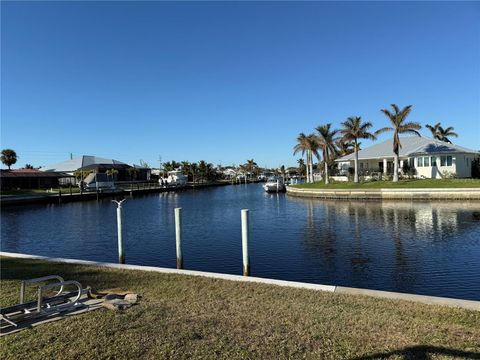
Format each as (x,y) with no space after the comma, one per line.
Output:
(227,81)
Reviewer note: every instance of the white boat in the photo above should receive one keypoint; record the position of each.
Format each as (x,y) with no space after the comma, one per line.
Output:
(97,182)
(274,184)
(175,178)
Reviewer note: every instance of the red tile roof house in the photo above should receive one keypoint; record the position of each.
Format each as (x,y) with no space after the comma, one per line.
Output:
(29,179)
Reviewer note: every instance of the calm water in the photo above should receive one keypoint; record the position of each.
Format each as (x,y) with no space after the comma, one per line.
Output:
(424,248)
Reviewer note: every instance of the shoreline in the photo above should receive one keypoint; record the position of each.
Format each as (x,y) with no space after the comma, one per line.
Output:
(410,194)
(416,298)
(48,198)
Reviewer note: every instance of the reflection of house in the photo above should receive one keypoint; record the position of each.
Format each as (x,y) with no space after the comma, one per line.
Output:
(431,158)
(29,179)
(91,163)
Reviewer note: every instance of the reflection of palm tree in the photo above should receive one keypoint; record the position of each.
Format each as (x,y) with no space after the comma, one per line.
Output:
(398,119)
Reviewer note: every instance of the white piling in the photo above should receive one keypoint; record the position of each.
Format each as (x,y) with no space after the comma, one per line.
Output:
(246,264)
(121,255)
(178,237)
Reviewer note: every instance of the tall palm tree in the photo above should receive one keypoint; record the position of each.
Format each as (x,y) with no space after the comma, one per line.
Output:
(326,140)
(303,147)
(399,126)
(354,129)
(313,145)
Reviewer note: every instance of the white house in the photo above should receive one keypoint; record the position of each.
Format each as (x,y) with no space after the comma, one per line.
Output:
(431,158)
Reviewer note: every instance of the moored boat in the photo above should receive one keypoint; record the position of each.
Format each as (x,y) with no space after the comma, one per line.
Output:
(275,184)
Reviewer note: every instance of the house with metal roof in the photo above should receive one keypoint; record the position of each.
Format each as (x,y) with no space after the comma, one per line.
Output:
(86,162)
(430,158)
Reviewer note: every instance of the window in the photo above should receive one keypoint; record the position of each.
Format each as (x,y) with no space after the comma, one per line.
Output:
(443,160)
(361,166)
(449,161)
(426,161)
(420,162)
(434,161)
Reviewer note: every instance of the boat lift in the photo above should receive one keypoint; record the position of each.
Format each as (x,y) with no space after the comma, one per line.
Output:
(44,307)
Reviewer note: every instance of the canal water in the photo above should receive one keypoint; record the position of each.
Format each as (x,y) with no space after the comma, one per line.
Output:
(430,248)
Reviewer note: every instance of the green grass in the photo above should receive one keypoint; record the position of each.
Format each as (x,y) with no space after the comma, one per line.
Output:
(414,184)
(183,317)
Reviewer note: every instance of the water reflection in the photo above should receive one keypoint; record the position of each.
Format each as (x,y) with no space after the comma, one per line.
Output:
(397,243)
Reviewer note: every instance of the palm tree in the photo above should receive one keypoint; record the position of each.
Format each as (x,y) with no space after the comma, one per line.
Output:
(444,133)
(313,145)
(112,172)
(326,141)
(303,146)
(439,133)
(301,166)
(193,171)
(433,129)
(354,129)
(9,157)
(250,166)
(400,126)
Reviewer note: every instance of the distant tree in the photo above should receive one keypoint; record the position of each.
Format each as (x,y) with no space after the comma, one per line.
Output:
(250,166)
(144,164)
(9,157)
(326,139)
(399,126)
(132,172)
(301,167)
(194,171)
(113,173)
(439,133)
(354,129)
(28,166)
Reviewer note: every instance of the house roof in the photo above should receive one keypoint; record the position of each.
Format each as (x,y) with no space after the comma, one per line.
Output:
(82,162)
(411,145)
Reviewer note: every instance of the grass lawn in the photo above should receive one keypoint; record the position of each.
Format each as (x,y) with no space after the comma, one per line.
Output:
(414,184)
(190,317)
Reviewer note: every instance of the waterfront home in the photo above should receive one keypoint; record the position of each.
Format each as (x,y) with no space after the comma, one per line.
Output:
(421,156)
(100,165)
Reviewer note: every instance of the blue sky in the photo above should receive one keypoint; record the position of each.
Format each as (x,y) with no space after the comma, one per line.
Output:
(225,81)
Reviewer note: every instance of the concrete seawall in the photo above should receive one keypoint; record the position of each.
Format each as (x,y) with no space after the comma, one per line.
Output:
(388,194)
(430,300)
